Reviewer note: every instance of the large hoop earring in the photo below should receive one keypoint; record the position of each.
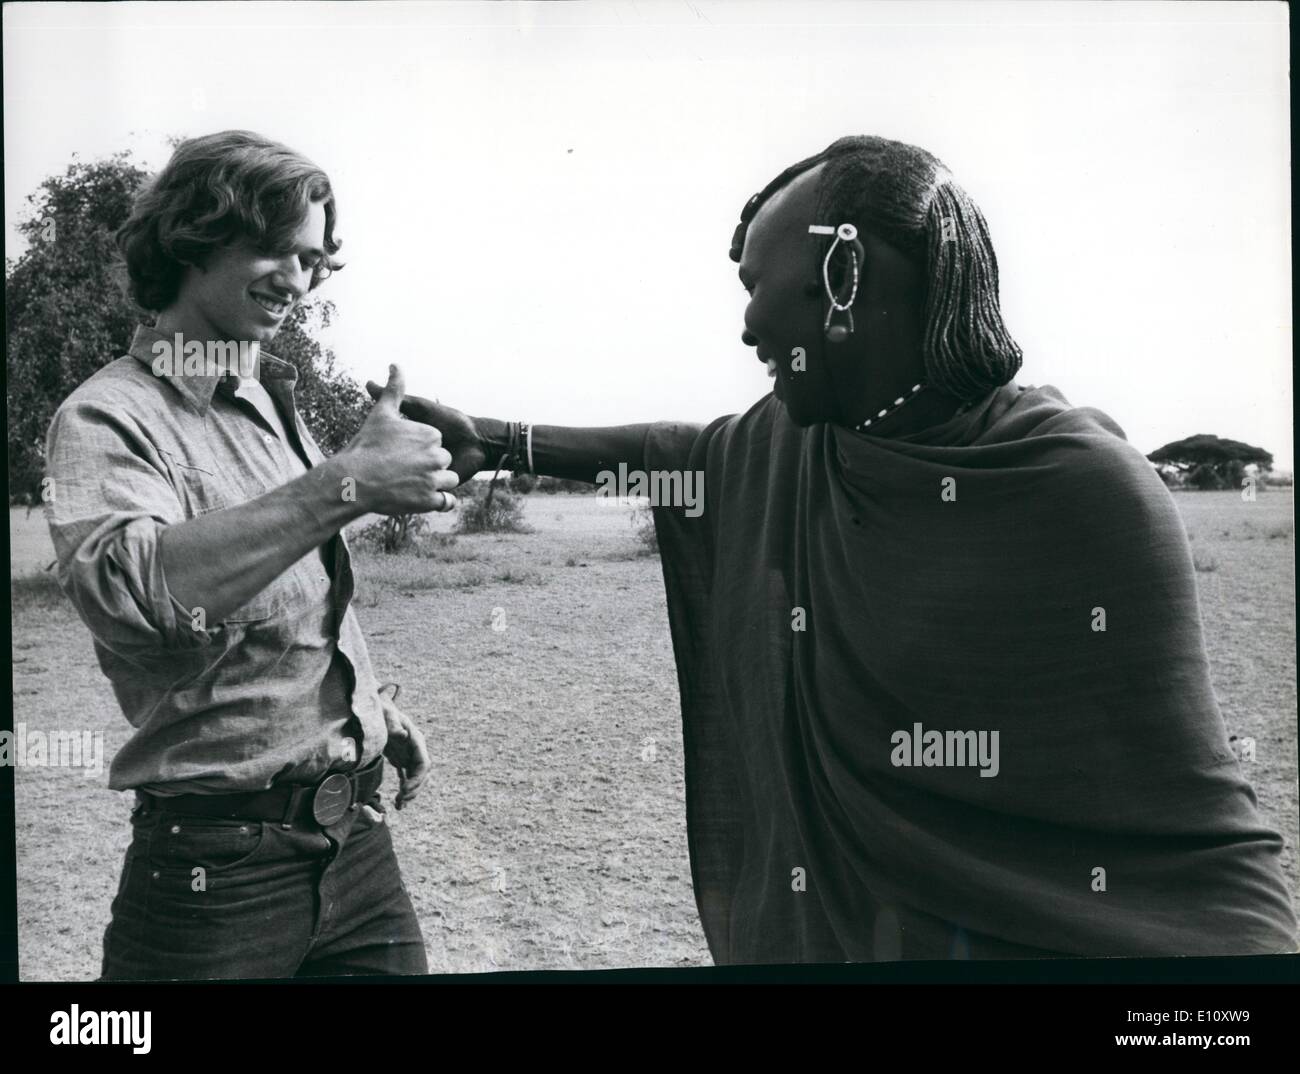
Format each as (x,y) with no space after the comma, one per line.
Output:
(847,234)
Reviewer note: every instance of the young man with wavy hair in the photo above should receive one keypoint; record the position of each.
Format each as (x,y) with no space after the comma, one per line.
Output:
(198,533)
(944,690)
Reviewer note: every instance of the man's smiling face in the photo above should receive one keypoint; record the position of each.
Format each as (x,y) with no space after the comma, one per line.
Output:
(244,293)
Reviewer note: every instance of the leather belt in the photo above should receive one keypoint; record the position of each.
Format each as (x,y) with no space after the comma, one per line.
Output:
(326,801)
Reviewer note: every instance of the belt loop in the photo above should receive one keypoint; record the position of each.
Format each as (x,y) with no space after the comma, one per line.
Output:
(291,810)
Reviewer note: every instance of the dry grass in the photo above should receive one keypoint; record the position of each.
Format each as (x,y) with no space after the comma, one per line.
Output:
(1248,608)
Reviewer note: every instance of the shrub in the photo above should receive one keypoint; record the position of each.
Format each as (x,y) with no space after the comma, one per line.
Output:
(502,512)
(473,489)
(523,483)
(643,529)
(393,534)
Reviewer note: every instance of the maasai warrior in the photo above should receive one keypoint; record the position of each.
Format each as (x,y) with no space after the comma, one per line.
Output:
(944,689)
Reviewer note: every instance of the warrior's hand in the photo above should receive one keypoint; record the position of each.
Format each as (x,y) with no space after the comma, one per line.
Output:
(460,435)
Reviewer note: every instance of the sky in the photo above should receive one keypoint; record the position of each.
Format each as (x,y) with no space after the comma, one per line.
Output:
(536,200)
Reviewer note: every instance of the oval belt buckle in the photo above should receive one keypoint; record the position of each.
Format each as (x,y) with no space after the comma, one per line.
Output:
(331,800)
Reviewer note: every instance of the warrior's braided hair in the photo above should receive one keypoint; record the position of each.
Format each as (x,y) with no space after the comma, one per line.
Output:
(908,198)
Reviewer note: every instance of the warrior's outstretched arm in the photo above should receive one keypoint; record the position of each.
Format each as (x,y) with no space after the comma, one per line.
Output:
(579,454)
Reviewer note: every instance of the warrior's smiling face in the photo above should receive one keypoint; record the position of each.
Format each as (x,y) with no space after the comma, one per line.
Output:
(778,268)
(781,268)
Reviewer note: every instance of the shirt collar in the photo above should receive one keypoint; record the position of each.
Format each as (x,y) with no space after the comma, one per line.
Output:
(275,374)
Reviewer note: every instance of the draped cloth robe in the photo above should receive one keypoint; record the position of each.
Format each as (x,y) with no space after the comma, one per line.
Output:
(1019,569)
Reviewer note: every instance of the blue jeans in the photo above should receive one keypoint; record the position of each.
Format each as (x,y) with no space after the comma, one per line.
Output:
(202,898)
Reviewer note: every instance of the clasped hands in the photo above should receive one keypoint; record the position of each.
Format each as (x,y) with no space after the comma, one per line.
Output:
(403,467)
(399,467)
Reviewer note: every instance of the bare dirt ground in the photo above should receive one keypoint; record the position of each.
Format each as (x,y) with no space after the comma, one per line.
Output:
(551,833)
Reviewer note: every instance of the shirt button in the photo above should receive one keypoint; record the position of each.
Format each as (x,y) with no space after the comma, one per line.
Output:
(175,829)
(243,829)
(268,438)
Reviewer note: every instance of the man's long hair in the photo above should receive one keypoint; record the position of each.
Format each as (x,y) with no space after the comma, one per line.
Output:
(216,190)
(908,198)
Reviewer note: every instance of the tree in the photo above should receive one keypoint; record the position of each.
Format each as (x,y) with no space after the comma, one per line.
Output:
(66,315)
(1210,462)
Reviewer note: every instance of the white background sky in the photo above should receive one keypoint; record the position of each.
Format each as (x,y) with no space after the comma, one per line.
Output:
(536,200)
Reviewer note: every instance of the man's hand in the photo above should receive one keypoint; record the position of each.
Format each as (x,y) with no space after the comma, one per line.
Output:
(460,436)
(406,750)
(399,467)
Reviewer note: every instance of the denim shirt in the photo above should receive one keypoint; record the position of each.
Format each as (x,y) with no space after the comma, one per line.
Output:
(279,690)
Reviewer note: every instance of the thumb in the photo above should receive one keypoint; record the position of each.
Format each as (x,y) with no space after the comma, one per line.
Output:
(394,390)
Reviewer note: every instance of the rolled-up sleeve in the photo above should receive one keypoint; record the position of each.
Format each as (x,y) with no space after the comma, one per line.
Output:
(109,497)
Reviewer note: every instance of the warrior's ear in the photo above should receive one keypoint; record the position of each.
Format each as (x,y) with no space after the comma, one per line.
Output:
(842,266)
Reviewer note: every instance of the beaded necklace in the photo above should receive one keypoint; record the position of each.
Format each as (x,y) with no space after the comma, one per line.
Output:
(893,408)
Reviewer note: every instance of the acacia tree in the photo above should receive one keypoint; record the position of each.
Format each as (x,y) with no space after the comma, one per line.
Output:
(1210,462)
(66,315)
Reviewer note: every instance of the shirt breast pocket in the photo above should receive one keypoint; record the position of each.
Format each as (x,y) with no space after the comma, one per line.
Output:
(200,489)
